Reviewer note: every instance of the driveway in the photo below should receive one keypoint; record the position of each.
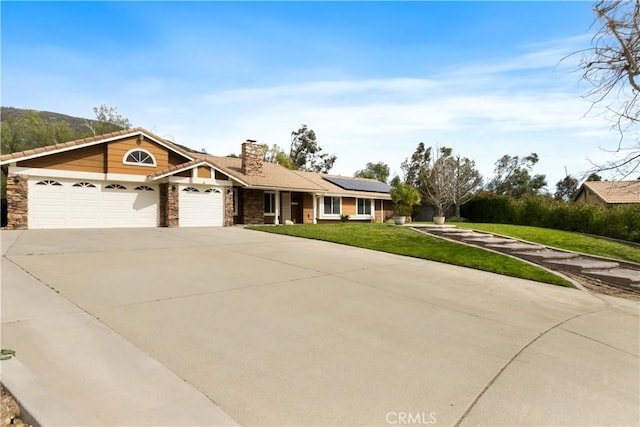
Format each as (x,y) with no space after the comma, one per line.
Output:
(278,330)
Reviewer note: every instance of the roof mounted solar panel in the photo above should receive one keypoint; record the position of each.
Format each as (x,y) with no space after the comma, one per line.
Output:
(359,185)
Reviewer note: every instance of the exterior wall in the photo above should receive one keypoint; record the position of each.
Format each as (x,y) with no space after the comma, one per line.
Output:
(386,206)
(175,159)
(228,207)
(204,172)
(117,149)
(219,176)
(252,159)
(90,159)
(588,196)
(253,206)
(17,202)
(307,208)
(349,206)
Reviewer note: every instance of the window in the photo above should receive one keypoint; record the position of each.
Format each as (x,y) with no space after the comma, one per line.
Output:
(269,204)
(48,182)
(115,187)
(212,190)
(235,202)
(190,190)
(144,188)
(363,207)
(332,206)
(139,157)
(84,185)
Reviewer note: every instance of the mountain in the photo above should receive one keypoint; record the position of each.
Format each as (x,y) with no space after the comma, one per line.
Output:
(77,124)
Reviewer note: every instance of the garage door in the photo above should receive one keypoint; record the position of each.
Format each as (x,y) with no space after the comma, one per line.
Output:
(57,203)
(200,206)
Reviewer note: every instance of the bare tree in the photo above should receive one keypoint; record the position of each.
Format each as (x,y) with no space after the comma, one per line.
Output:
(467,182)
(612,66)
(437,182)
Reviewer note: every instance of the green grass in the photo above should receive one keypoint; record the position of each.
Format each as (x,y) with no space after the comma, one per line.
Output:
(405,241)
(577,242)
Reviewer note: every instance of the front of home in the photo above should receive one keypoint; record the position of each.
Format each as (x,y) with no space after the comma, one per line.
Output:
(133,178)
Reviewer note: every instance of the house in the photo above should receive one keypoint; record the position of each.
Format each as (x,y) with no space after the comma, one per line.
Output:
(609,192)
(133,178)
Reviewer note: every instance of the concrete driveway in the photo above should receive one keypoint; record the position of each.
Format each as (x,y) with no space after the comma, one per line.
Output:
(277,330)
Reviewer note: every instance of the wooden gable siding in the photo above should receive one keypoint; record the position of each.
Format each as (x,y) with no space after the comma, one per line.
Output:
(185,174)
(176,159)
(220,176)
(204,172)
(117,149)
(89,159)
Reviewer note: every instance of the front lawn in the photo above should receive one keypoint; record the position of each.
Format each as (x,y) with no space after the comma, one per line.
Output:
(577,242)
(406,241)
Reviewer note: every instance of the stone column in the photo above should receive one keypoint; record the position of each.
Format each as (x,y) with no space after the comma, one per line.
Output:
(173,206)
(17,202)
(228,206)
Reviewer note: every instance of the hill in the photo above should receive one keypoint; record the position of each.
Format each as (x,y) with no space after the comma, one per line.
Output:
(77,124)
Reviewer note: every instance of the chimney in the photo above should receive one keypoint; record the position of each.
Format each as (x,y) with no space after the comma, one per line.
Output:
(252,158)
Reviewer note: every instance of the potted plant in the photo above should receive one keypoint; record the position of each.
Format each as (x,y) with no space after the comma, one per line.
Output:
(404,197)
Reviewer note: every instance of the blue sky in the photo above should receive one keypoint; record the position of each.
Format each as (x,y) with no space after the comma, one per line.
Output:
(372,79)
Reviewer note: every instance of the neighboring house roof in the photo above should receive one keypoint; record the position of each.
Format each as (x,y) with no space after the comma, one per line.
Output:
(172,170)
(333,189)
(613,191)
(93,140)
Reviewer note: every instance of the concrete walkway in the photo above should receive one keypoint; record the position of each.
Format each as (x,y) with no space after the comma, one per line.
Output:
(624,275)
(152,326)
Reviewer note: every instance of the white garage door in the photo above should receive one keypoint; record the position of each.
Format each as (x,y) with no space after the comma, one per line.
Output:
(200,206)
(58,203)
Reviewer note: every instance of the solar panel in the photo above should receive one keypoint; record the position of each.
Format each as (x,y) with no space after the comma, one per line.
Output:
(359,185)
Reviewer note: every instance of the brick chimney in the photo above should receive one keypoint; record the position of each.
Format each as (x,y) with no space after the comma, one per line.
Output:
(252,158)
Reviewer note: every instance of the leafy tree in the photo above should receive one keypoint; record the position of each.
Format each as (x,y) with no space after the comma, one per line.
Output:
(404,197)
(467,182)
(275,154)
(26,131)
(306,154)
(512,176)
(107,120)
(379,171)
(412,169)
(612,66)
(566,188)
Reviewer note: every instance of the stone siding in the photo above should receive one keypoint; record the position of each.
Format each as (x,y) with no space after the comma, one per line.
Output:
(228,207)
(253,206)
(252,159)
(17,202)
(173,207)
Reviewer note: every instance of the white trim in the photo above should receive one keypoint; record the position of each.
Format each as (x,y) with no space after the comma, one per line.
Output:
(197,181)
(332,215)
(125,162)
(276,221)
(90,144)
(372,209)
(274,206)
(314,198)
(96,176)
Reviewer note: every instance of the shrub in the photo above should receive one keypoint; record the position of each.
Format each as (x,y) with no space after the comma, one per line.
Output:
(618,222)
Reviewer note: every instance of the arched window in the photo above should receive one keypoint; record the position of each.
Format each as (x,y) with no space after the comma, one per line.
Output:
(115,187)
(84,185)
(139,157)
(48,182)
(191,190)
(143,188)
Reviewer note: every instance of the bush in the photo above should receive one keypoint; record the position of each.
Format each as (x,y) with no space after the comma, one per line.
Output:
(618,222)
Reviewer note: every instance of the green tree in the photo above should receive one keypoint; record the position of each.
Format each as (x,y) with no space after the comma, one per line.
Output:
(404,198)
(275,154)
(107,120)
(467,181)
(379,171)
(21,132)
(306,154)
(566,188)
(413,168)
(512,177)
(437,181)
